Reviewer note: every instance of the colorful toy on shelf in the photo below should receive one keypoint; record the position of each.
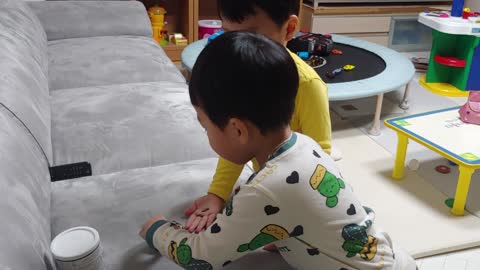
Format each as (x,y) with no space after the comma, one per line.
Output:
(454,66)
(178,39)
(157,18)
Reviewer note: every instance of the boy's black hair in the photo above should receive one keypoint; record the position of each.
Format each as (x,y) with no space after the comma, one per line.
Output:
(246,76)
(238,10)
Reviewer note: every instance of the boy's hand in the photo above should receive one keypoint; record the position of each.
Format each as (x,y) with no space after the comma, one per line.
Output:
(149,223)
(203,212)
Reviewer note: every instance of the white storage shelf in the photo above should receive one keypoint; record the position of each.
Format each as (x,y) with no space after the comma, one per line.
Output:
(371,28)
(383,25)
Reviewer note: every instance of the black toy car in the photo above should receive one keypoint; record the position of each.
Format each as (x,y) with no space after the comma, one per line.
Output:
(314,44)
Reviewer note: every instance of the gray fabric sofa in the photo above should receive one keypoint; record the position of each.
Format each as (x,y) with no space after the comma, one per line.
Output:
(116,99)
(83,81)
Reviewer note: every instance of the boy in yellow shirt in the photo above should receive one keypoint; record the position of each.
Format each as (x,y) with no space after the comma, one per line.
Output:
(277,20)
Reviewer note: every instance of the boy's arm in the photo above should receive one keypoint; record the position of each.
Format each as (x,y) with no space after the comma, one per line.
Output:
(314,113)
(248,224)
(225,177)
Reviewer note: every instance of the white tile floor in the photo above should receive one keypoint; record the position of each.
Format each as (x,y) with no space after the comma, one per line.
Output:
(462,260)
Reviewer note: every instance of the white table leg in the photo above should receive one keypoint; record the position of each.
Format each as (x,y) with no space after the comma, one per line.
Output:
(404,103)
(375,129)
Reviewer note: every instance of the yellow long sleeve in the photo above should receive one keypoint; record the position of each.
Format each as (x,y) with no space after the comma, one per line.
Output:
(225,178)
(312,114)
(310,117)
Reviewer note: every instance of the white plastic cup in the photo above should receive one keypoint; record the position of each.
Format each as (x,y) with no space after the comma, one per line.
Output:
(77,248)
(474,5)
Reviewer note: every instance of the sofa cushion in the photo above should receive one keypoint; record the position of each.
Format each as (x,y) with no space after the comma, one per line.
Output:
(94,61)
(118,204)
(23,70)
(24,199)
(127,126)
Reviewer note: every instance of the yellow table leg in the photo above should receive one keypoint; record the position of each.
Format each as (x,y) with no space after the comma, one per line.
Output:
(462,190)
(400,158)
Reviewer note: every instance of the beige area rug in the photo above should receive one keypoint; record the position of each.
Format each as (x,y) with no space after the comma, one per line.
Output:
(412,211)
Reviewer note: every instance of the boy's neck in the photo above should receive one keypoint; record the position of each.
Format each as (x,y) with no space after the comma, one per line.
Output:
(270,143)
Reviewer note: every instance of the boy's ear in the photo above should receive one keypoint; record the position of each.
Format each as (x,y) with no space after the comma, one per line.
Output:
(239,130)
(292,26)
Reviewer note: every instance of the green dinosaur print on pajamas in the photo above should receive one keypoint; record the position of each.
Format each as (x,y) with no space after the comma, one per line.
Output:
(182,255)
(327,184)
(267,235)
(357,241)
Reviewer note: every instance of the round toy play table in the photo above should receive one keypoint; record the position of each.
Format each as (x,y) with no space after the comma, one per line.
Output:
(378,70)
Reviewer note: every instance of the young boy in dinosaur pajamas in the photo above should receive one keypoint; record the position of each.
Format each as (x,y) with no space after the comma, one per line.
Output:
(277,20)
(297,200)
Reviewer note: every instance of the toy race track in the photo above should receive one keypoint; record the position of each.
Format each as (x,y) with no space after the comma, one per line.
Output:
(366,64)
(378,70)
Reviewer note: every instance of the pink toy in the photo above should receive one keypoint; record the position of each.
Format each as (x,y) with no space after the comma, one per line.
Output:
(206,28)
(470,111)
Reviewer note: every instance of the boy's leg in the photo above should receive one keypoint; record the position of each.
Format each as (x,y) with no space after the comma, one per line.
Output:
(403,260)
(302,255)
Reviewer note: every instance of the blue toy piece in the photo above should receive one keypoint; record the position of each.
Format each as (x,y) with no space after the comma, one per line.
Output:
(474,78)
(303,55)
(215,35)
(457,8)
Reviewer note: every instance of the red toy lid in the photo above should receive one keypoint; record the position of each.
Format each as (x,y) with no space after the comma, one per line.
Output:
(442,169)
(450,61)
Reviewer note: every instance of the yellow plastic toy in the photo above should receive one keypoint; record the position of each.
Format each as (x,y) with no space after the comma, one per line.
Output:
(157,17)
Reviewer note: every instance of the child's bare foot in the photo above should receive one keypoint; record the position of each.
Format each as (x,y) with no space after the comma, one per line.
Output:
(271,248)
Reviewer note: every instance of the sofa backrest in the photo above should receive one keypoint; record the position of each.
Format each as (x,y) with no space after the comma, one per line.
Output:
(24,70)
(25,142)
(80,19)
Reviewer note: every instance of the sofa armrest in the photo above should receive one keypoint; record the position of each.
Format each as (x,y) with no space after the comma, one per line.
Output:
(77,19)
